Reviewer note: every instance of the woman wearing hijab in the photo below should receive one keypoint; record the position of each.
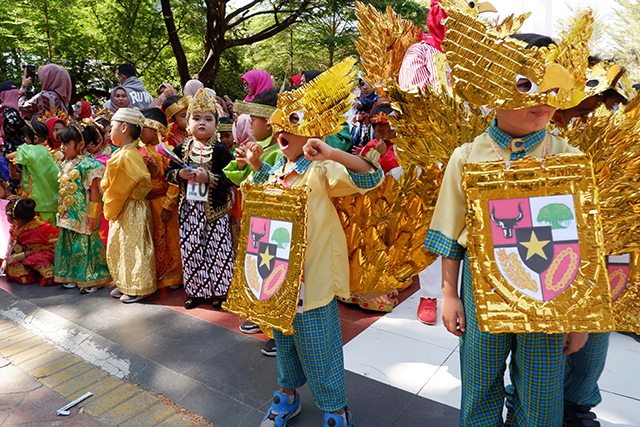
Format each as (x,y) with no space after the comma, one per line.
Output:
(119,99)
(164,91)
(82,110)
(191,88)
(309,75)
(8,98)
(55,95)
(255,82)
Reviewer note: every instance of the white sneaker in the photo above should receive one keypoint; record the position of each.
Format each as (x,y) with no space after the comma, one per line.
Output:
(116,293)
(69,285)
(132,298)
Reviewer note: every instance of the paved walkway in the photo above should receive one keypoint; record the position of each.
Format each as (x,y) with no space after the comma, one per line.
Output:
(36,379)
(399,372)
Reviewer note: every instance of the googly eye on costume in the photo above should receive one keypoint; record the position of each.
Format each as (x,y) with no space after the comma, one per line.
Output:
(525,85)
(592,83)
(295,118)
(472,4)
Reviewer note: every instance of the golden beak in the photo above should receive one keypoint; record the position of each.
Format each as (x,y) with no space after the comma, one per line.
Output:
(485,6)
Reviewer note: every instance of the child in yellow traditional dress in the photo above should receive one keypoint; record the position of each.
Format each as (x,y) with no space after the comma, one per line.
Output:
(126,183)
(80,254)
(163,199)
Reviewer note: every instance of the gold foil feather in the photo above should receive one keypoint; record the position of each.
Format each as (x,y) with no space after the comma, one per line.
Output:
(386,229)
(279,204)
(586,303)
(486,64)
(430,125)
(317,108)
(383,41)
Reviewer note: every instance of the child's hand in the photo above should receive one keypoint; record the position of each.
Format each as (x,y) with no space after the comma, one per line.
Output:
(381,148)
(166,215)
(186,174)
(201,175)
(9,260)
(147,160)
(453,315)
(240,156)
(253,153)
(94,223)
(574,341)
(356,150)
(11,157)
(317,150)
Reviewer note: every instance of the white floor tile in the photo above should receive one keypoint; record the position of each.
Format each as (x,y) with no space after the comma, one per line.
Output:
(403,321)
(621,374)
(623,341)
(393,359)
(618,411)
(444,386)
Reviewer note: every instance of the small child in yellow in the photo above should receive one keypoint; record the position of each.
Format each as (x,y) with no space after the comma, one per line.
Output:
(126,183)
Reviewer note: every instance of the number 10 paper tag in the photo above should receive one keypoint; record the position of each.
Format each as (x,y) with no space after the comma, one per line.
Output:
(198,191)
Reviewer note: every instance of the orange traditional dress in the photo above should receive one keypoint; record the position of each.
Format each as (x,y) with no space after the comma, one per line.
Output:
(166,235)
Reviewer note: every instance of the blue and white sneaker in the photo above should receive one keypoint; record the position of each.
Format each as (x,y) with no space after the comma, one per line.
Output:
(281,411)
(334,420)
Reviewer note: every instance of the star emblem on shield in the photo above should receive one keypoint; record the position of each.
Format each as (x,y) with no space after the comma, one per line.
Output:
(535,244)
(267,257)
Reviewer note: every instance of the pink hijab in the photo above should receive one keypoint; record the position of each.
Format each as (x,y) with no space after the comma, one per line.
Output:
(112,105)
(259,80)
(9,98)
(56,79)
(242,130)
(191,88)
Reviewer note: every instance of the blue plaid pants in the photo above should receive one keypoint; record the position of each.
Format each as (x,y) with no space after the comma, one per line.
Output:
(314,354)
(583,370)
(537,373)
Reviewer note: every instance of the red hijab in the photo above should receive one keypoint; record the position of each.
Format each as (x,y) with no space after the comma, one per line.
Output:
(50,124)
(434,23)
(85,112)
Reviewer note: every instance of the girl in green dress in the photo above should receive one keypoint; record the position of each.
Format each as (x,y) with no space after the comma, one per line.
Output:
(80,254)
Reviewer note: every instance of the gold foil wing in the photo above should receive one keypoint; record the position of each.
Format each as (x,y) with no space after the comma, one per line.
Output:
(317,108)
(613,143)
(430,125)
(626,301)
(578,305)
(386,229)
(283,214)
(383,41)
(486,63)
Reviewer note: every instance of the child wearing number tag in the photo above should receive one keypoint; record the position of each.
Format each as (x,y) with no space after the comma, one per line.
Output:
(203,206)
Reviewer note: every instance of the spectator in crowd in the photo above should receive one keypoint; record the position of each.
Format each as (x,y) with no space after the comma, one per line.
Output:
(55,94)
(139,96)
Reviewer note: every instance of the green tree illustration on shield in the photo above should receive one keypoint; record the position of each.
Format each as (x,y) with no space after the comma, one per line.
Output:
(556,214)
(281,237)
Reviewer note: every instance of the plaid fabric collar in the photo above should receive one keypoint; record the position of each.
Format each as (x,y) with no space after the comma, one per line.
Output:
(300,166)
(504,140)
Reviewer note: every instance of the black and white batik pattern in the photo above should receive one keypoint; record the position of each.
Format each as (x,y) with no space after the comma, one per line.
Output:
(207,252)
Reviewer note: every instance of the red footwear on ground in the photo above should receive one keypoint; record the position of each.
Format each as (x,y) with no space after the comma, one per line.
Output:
(428,311)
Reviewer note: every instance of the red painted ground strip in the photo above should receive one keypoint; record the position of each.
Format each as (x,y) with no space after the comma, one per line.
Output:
(353,319)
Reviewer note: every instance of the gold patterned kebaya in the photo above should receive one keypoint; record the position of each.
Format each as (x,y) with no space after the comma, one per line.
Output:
(535,245)
(268,275)
(252,109)
(316,108)
(487,64)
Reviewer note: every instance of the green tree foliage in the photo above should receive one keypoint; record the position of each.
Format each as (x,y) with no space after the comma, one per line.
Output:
(556,214)
(626,35)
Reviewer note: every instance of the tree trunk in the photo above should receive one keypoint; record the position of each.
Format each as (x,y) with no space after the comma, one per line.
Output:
(176,46)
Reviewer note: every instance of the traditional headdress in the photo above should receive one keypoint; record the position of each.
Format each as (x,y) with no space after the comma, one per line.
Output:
(154,118)
(379,118)
(102,113)
(11,206)
(225,127)
(317,108)
(487,63)
(53,114)
(180,104)
(129,115)
(253,109)
(202,101)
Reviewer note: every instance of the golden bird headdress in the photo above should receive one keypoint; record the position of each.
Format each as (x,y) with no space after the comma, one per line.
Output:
(487,64)
(602,76)
(317,108)
(383,41)
(202,102)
